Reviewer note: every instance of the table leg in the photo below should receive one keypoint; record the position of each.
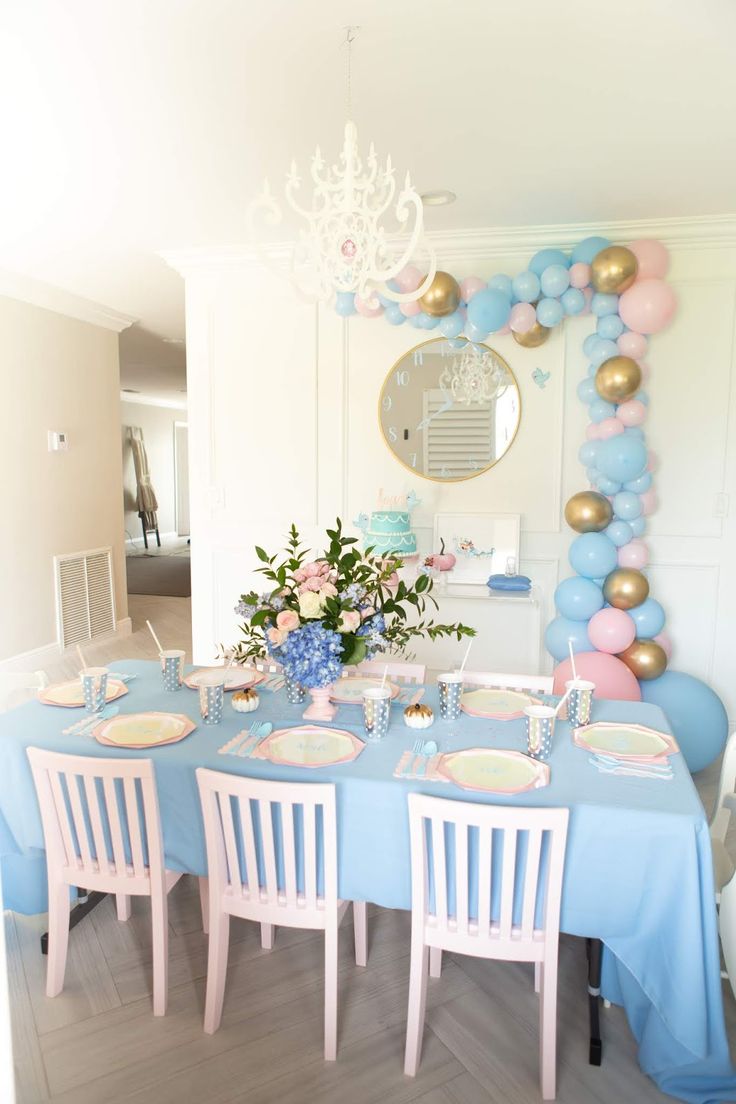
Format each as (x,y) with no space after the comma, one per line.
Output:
(85,903)
(594,949)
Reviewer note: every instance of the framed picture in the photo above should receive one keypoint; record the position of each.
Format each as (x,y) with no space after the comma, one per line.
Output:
(482,544)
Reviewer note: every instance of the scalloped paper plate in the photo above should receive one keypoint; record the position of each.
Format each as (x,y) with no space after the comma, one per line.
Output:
(236,678)
(349,691)
(143,730)
(502,705)
(626,741)
(493,770)
(309,746)
(70,695)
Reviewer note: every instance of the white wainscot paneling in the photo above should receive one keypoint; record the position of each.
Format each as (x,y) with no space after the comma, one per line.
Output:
(689,593)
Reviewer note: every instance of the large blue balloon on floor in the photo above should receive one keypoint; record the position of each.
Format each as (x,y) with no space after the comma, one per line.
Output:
(593,555)
(578,598)
(695,712)
(562,630)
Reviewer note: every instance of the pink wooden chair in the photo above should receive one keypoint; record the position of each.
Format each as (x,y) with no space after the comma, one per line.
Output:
(523,886)
(102,830)
(411,674)
(237,888)
(535,684)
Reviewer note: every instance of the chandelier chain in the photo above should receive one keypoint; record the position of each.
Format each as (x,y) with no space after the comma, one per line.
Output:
(351,33)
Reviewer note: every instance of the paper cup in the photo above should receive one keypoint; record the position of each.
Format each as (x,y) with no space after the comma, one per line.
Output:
(580,701)
(211,697)
(94,688)
(295,693)
(450,686)
(376,711)
(540,727)
(172,668)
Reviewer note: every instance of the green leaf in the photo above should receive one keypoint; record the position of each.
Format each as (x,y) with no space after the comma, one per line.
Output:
(353,649)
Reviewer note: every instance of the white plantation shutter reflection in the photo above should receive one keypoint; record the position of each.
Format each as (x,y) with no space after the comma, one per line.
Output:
(458,441)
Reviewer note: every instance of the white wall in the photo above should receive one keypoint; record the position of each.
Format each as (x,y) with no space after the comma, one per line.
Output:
(283,427)
(157,423)
(62,374)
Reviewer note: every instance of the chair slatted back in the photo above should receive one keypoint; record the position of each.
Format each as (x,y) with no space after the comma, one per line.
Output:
(539,684)
(410,674)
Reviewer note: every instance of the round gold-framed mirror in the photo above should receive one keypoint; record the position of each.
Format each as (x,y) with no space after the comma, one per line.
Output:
(449,409)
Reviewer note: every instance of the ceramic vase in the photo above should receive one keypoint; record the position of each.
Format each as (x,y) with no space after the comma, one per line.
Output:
(321,708)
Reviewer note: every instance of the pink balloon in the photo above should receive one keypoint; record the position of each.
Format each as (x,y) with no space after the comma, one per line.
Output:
(612,678)
(649,501)
(665,642)
(409,278)
(633,412)
(653,461)
(522,317)
(504,330)
(410,309)
(370,309)
(609,427)
(633,344)
(648,306)
(653,258)
(470,286)
(579,275)
(611,630)
(592,432)
(634,554)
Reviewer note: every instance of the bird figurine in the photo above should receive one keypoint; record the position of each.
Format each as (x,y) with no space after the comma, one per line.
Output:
(540,377)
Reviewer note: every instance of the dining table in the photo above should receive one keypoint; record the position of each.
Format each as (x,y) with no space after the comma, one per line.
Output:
(638,867)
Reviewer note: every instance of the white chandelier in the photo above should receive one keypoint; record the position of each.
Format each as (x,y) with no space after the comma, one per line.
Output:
(345,247)
(474,376)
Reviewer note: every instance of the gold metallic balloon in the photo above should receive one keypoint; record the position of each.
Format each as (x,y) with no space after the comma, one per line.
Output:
(588,512)
(646,658)
(613,270)
(442,296)
(625,588)
(533,338)
(618,379)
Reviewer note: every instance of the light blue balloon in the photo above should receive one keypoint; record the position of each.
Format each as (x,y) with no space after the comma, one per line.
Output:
(384,300)
(602,350)
(602,304)
(695,713)
(592,474)
(416,321)
(526,287)
(622,458)
(600,409)
(475,333)
(393,315)
(626,505)
(593,555)
(345,303)
(549,312)
(457,342)
(620,532)
(649,618)
(489,310)
(607,486)
(587,453)
(642,397)
(588,248)
(642,483)
(428,321)
(502,283)
(573,301)
(546,257)
(634,431)
(578,599)
(586,390)
(638,526)
(610,327)
(560,631)
(554,280)
(589,343)
(452,324)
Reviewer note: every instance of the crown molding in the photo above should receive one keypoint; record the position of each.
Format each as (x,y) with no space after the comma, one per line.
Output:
(27,289)
(692,232)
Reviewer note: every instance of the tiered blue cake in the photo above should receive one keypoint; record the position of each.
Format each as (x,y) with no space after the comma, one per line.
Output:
(389,531)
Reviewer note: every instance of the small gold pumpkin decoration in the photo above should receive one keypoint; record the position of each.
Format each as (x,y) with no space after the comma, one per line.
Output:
(245,701)
(418,716)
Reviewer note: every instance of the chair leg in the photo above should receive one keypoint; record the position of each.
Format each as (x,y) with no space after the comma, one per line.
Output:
(417,1004)
(360,928)
(435,962)
(331,938)
(219,926)
(548,1028)
(58,938)
(160,930)
(204,903)
(123,906)
(267,931)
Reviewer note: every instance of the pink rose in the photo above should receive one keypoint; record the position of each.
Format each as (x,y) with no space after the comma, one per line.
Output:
(314,583)
(349,621)
(299,575)
(367,612)
(287,620)
(276,637)
(310,570)
(324,567)
(329,590)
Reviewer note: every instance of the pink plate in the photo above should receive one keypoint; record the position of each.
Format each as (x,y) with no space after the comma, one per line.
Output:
(309,746)
(69,695)
(349,690)
(236,678)
(493,770)
(143,730)
(628,742)
(496,704)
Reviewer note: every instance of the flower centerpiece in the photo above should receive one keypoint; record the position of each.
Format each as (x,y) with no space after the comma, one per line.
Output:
(334,610)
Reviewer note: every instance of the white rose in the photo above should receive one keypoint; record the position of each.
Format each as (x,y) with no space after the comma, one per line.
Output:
(311,605)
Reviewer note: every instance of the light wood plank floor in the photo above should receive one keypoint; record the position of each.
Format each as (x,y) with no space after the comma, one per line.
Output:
(98,1043)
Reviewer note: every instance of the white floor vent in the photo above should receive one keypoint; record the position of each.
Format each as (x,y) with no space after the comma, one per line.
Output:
(85,602)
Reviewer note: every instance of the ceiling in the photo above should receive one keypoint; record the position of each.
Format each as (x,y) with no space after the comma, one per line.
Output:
(135,126)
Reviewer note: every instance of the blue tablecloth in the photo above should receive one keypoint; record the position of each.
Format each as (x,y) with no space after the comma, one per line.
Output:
(638,871)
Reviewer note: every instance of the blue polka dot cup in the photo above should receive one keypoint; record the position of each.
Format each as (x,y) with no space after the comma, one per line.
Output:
(211,697)
(579,702)
(94,688)
(295,693)
(376,711)
(172,669)
(540,727)
(450,688)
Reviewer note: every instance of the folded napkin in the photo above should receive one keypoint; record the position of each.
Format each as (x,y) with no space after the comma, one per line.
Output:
(422,767)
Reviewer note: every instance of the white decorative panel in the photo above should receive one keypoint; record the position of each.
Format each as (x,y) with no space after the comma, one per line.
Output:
(689,594)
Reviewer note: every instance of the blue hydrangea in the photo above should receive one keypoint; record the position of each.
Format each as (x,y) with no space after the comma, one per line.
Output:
(243,609)
(277,603)
(375,624)
(355,593)
(311,655)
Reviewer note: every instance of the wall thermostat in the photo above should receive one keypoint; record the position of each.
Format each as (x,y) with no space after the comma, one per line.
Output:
(58,442)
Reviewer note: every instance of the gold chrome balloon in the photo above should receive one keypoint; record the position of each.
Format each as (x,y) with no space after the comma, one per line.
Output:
(646,658)
(533,338)
(618,379)
(613,270)
(442,296)
(588,512)
(625,588)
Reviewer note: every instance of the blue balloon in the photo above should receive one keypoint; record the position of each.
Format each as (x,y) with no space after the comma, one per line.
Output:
(642,397)
(600,409)
(642,483)
(384,300)
(593,555)
(634,431)
(452,324)
(549,312)
(428,321)
(573,301)
(620,532)
(554,280)
(475,333)
(602,350)
(457,342)
(526,287)
(649,618)
(610,327)
(589,344)
(546,257)
(626,505)
(587,453)
(586,390)
(588,248)
(560,631)
(602,304)
(345,303)
(638,526)
(607,486)
(489,310)
(578,599)
(695,713)
(393,315)
(622,458)
(416,321)
(501,283)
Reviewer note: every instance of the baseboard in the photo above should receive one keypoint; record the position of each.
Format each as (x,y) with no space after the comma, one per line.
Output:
(38,658)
